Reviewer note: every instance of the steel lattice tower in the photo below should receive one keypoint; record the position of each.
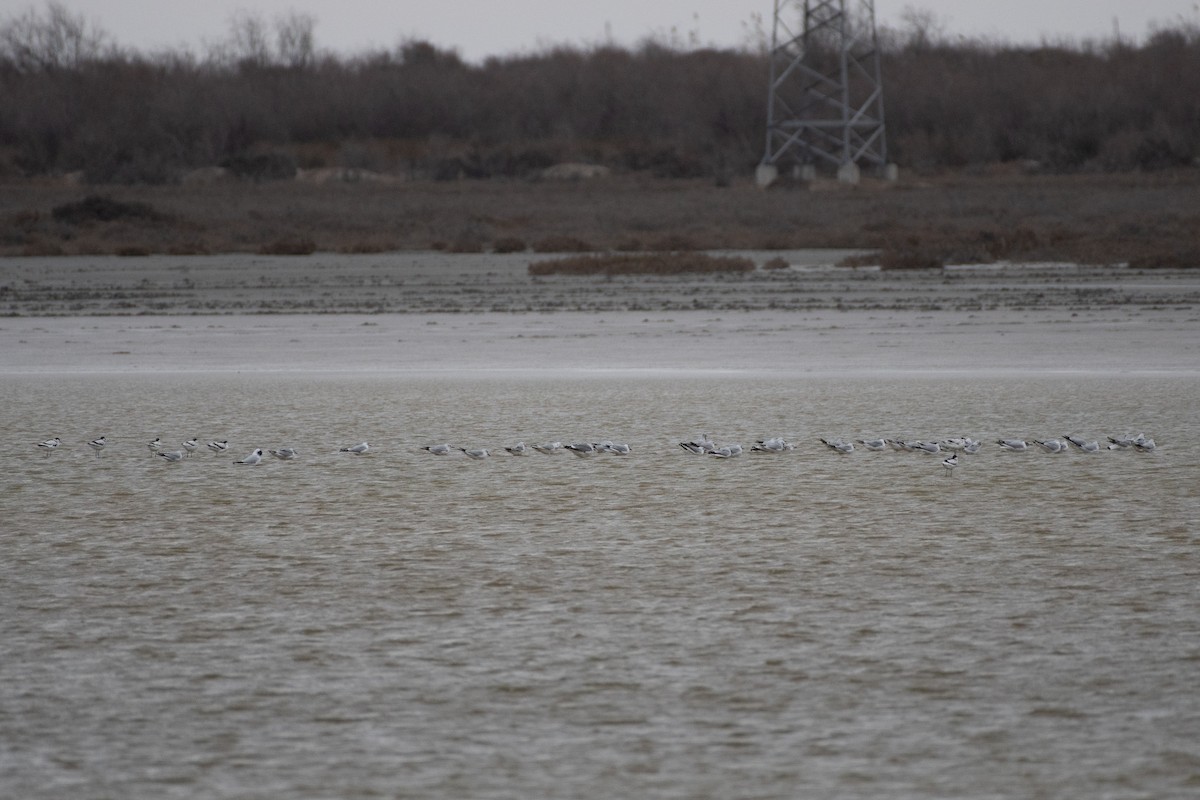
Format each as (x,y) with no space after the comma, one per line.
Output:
(825,101)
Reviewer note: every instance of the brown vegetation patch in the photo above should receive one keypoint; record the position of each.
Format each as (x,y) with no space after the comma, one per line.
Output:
(288,247)
(776,263)
(1168,259)
(509,244)
(96,208)
(644,264)
(368,246)
(562,244)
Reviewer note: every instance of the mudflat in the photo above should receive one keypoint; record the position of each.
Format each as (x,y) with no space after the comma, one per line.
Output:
(437,311)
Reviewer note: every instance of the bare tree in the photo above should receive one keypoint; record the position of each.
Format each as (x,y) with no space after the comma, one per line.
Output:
(53,39)
(249,43)
(295,44)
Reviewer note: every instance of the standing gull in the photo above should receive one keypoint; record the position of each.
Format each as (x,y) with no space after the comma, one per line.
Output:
(48,446)
(97,445)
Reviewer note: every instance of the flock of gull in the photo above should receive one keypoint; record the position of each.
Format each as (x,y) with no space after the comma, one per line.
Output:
(702,446)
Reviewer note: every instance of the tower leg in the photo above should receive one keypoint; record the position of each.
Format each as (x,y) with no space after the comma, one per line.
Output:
(848,173)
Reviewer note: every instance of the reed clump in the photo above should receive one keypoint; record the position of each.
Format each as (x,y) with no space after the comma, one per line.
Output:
(641,264)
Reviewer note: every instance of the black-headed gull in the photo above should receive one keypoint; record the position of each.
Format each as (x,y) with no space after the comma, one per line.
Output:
(776,444)
(154,446)
(1013,444)
(443,449)
(874,444)
(619,448)
(98,445)
(218,447)
(933,448)
(838,445)
(171,455)
(49,446)
(1084,444)
(475,452)
(700,445)
(285,453)
(1143,445)
(1051,445)
(253,458)
(582,449)
(357,449)
(726,451)
(549,448)
(518,449)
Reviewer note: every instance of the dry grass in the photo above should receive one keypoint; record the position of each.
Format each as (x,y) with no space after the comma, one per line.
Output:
(288,247)
(642,264)
(917,222)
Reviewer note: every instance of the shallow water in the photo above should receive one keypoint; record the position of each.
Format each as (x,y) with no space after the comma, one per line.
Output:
(658,625)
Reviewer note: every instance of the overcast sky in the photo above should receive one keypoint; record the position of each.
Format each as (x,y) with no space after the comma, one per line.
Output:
(477,29)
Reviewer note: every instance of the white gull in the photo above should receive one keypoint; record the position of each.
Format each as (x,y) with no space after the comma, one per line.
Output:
(253,458)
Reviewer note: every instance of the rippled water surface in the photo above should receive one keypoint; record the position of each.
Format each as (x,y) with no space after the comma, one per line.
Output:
(656,625)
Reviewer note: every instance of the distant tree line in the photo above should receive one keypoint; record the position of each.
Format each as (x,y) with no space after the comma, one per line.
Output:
(266,101)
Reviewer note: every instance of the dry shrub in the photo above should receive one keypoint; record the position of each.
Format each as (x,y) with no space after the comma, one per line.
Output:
(188,248)
(132,250)
(42,247)
(509,244)
(1167,259)
(776,263)
(468,244)
(288,247)
(644,264)
(910,258)
(674,242)
(562,244)
(95,208)
(368,247)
